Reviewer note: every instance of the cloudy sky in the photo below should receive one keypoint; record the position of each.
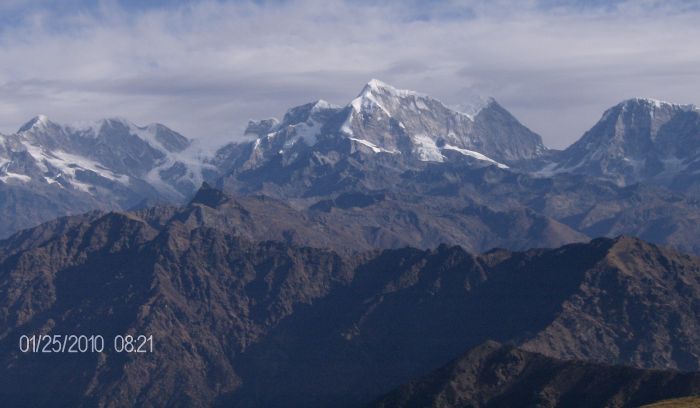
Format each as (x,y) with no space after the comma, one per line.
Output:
(205,67)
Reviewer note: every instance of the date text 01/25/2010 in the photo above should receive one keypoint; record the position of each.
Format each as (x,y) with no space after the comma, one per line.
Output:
(74,343)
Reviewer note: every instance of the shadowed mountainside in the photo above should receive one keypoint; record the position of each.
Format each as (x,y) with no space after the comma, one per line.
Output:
(493,375)
(232,316)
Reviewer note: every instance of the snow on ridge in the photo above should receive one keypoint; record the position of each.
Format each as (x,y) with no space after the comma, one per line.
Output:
(367,101)
(476,155)
(372,146)
(5,163)
(323,105)
(148,135)
(657,103)
(272,125)
(377,85)
(376,96)
(69,164)
(469,110)
(654,104)
(20,177)
(308,132)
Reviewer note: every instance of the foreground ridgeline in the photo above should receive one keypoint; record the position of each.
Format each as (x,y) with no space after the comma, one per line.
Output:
(493,375)
(237,320)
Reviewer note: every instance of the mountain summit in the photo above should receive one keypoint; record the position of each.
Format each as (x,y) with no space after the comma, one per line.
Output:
(423,127)
(39,121)
(638,139)
(385,120)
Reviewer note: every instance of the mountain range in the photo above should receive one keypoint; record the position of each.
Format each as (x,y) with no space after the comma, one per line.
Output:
(390,252)
(490,180)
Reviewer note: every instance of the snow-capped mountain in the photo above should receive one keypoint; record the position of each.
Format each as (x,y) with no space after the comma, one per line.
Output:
(48,169)
(386,120)
(384,151)
(638,140)
(102,155)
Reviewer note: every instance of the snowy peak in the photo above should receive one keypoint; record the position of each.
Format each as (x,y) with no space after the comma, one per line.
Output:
(386,119)
(655,104)
(647,109)
(322,105)
(376,90)
(474,105)
(378,95)
(375,86)
(102,158)
(637,139)
(116,129)
(635,120)
(304,123)
(304,113)
(36,123)
(482,126)
(261,127)
(630,123)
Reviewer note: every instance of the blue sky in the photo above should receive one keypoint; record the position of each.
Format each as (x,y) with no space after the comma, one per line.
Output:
(206,67)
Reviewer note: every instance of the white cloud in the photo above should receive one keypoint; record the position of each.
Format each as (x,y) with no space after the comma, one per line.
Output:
(205,68)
